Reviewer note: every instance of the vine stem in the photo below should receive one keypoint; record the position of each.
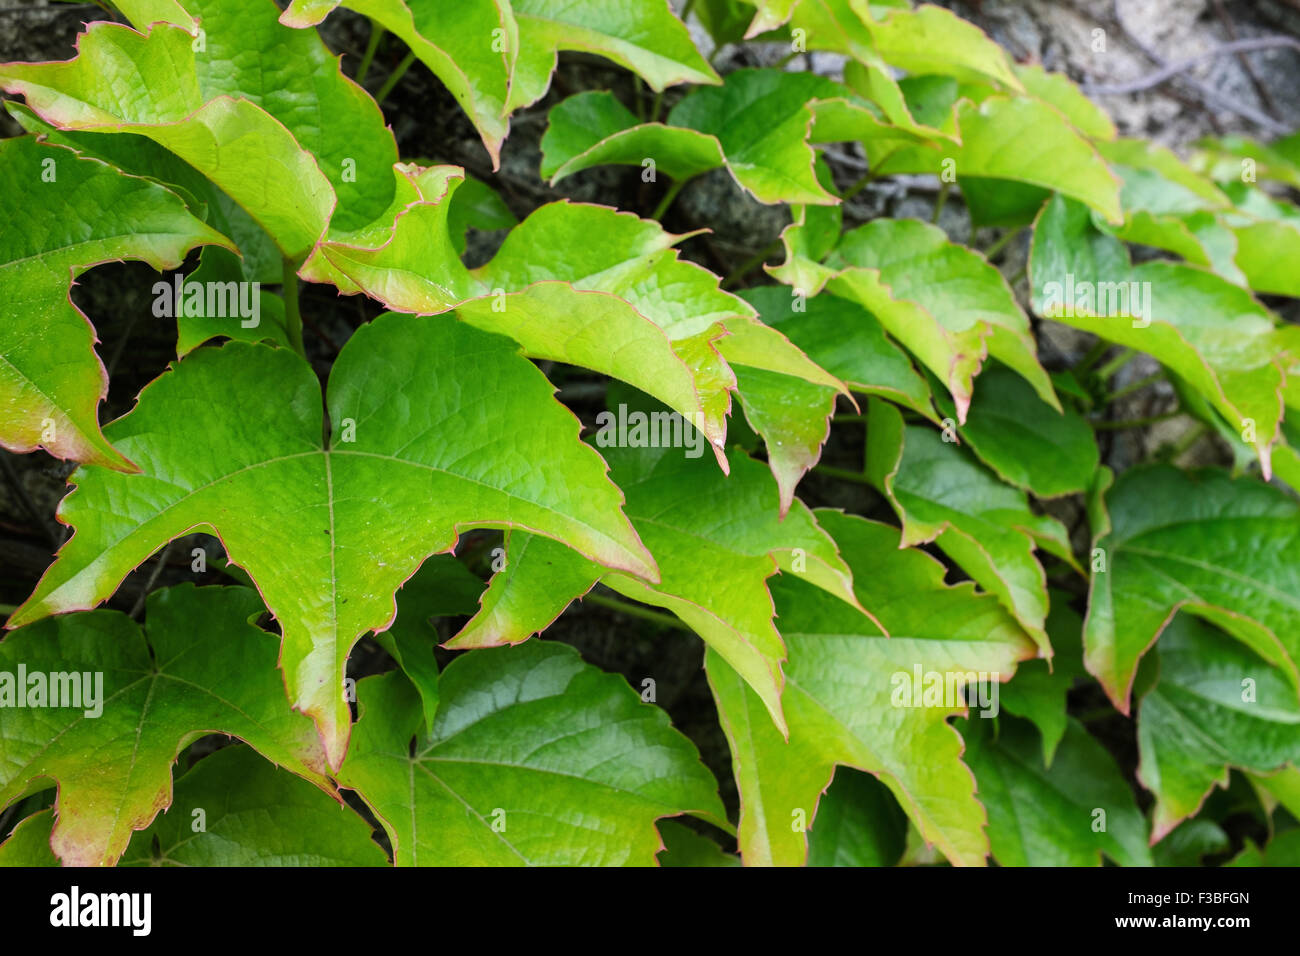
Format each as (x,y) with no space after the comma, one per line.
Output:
(669,196)
(631,610)
(756,259)
(394,78)
(941,202)
(1114,365)
(1000,243)
(377,32)
(292,317)
(1133,387)
(842,473)
(857,187)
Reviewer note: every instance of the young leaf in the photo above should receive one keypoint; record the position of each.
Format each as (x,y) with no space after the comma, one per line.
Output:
(252,815)
(1023,140)
(535,759)
(470,45)
(945,303)
(1211,332)
(1224,550)
(1070,815)
(719,540)
(1037,448)
(942,495)
(329,531)
(847,697)
(203,669)
(83,213)
(256,133)
(568,305)
(1216,705)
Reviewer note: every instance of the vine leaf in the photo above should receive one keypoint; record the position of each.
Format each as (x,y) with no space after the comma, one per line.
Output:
(842,697)
(756,124)
(942,495)
(944,302)
(1212,333)
(84,213)
(254,815)
(1069,815)
(678,330)
(1214,705)
(407,467)
(535,758)
(203,668)
(1047,451)
(719,540)
(497,56)
(1224,550)
(255,133)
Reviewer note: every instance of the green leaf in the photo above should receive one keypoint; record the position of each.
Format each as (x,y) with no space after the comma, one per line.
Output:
(844,697)
(647,38)
(944,302)
(1216,705)
(1234,157)
(256,133)
(931,39)
(203,669)
(330,530)
(1044,450)
(82,213)
(1071,815)
(29,843)
(719,539)
(442,587)
(253,815)
(1024,140)
(1059,90)
(595,129)
(1039,690)
(535,759)
(475,205)
(568,304)
(942,495)
(1225,550)
(1211,332)
(756,124)
(859,823)
(684,847)
(470,46)
(1282,850)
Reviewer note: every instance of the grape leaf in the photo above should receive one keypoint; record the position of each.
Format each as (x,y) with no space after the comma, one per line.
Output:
(254,815)
(535,759)
(1059,90)
(1069,815)
(1211,332)
(407,466)
(944,302)
(665,312)
(844,707)
(1037,448)
(1224,550)
(1215,705)
(86,213)
(256,133)
(859,823)
(944,496)
(719,540)
(1024,140)
(1039,691)
(202,669)
(756,124)
(684,847)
